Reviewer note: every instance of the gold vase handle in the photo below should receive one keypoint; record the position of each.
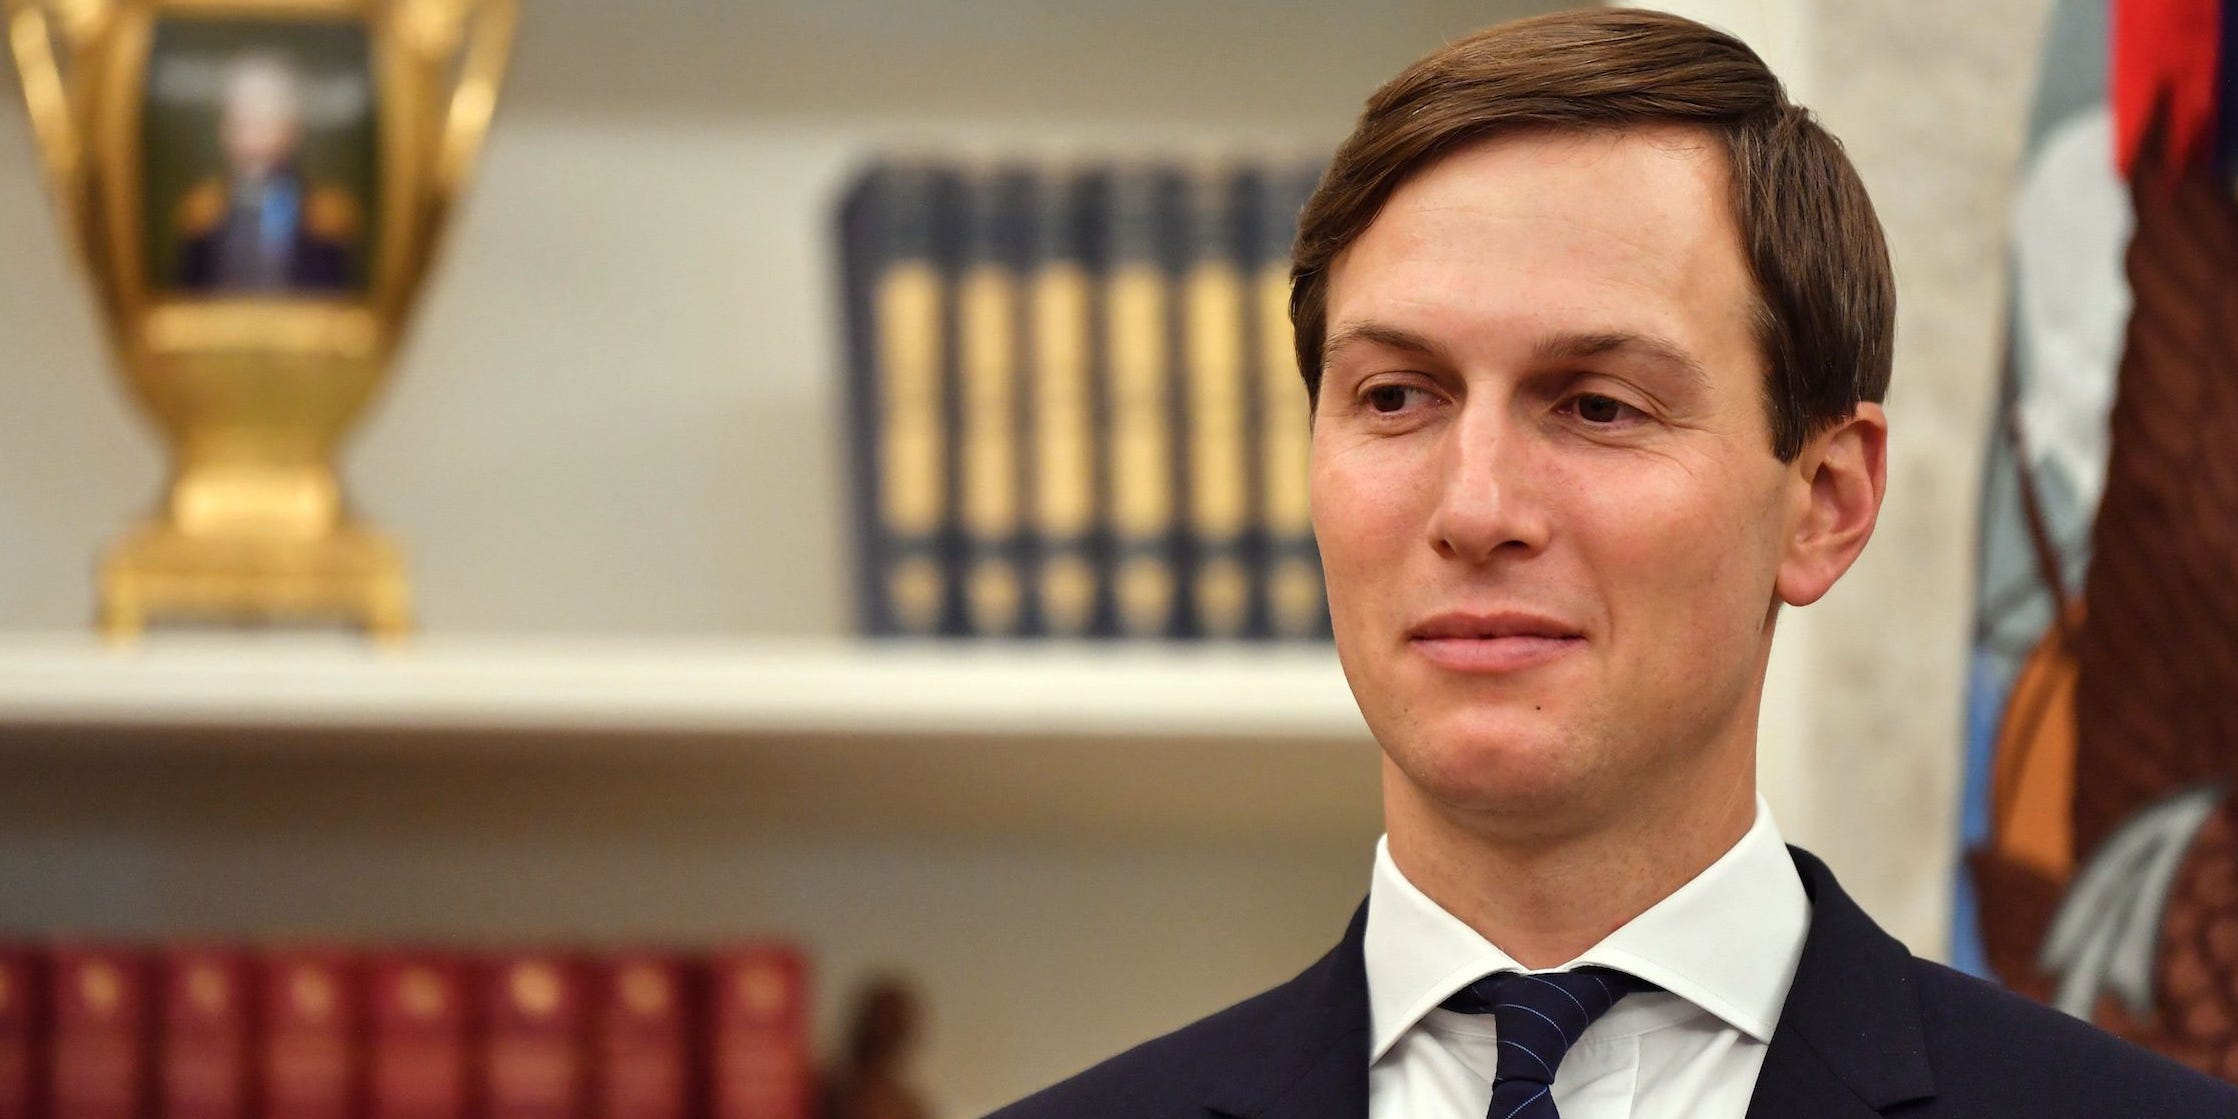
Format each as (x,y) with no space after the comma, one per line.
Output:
(473,40)
(489,26)
(34,29)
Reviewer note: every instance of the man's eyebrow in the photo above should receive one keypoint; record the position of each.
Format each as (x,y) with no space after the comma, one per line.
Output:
(1573,347)
(1377,334)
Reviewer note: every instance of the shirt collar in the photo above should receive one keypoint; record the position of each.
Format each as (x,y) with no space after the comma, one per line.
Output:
(1727,941)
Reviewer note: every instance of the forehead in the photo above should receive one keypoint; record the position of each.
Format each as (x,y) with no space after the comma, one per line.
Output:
(1528,234)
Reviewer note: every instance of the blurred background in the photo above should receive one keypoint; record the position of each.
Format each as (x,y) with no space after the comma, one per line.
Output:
(616,448)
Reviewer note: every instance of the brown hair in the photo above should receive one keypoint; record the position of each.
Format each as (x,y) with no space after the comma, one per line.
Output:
(1826,303)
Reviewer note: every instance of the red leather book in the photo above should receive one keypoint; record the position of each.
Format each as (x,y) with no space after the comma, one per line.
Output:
(101,1033)
(418,1037)
(759,1066)
(23,1032)
(642,1021)
(533,1057)
(202,1033)
(310,1005)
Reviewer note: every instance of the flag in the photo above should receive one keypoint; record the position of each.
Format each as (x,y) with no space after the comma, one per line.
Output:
(2102,723)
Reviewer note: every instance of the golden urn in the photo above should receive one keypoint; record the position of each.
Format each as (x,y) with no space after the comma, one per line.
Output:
(256,188)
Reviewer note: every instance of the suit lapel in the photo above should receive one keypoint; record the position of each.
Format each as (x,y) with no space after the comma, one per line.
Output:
(1797,1083)
(1312,1062)
(1849,1041)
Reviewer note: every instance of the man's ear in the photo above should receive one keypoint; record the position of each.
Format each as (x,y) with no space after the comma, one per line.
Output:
(1839,480)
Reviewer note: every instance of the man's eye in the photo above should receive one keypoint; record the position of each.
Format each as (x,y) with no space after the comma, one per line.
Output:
(1389,398)
(1594,408)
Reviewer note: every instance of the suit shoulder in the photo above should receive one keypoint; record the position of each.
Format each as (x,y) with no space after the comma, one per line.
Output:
(1990,1045)
(1167,1076)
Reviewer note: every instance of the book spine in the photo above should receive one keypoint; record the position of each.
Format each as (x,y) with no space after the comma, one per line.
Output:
(1140,442)
(533,1057)
(202,1062)
(760,1062)
(101,1033)
(643,1008)
(898,310)
(418,1059)
(990,462)
(1294,599)
(24,1031)
(1217,408)
(1064,505)
(310,1005)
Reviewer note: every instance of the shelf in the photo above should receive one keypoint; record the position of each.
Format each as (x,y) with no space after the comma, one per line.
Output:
(1254,744)
(765,687)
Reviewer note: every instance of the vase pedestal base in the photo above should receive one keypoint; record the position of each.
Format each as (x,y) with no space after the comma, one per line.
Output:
(351,576)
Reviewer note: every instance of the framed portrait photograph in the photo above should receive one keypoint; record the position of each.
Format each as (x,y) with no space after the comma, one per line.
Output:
(259,146)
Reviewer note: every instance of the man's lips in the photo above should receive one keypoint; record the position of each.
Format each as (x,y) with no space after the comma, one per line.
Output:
(1492,643)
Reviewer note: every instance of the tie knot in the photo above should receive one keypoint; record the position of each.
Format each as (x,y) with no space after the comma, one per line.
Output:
(1538,1017)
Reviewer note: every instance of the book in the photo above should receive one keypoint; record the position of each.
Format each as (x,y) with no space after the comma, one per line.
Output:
(1292,595)
(1140,442)
(202,1048)
(645,1019)
(101,1040)
(310,1004)
(990,458)
(1217,419)
(1064,506)
(896,241)
(417,1033)
(758,1030)
(24,1030)
(204,1031)
(1076,407)
(531,1005)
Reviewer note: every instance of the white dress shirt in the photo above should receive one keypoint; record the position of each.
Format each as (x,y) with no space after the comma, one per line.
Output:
(1723,948)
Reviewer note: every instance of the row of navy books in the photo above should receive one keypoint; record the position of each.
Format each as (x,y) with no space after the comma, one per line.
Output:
(234,1032)
(1075,411)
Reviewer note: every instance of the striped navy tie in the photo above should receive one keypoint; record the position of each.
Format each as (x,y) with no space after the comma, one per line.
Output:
(1538,1018)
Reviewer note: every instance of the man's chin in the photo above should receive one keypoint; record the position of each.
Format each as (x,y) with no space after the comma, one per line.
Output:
(1495,766)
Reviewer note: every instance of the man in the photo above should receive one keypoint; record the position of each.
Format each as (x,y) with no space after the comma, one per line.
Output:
(264,229)
(1595,325)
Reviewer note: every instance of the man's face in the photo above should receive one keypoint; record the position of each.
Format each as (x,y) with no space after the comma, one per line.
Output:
(1543,483)
(262,123)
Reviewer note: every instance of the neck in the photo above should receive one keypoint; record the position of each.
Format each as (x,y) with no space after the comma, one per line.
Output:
(1544,893)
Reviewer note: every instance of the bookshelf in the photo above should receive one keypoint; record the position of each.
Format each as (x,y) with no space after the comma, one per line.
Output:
(1158,830)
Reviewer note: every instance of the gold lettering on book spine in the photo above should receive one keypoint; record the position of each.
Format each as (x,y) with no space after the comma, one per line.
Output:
(1064,446)
(1294,580)
(991,477)
(1218,500)
(913,471)
(1141,474)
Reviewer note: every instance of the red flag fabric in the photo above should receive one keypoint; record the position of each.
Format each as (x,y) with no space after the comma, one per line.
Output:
(2165,58)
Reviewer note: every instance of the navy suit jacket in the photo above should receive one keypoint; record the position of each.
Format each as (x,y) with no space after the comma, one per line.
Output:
(1868,1030)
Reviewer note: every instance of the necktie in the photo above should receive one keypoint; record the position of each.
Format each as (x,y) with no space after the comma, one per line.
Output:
(1538,1018)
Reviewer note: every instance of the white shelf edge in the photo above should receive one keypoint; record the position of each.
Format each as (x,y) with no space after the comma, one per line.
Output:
(763,686)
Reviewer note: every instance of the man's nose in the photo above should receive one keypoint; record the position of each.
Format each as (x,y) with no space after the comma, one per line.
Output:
(1489,497)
